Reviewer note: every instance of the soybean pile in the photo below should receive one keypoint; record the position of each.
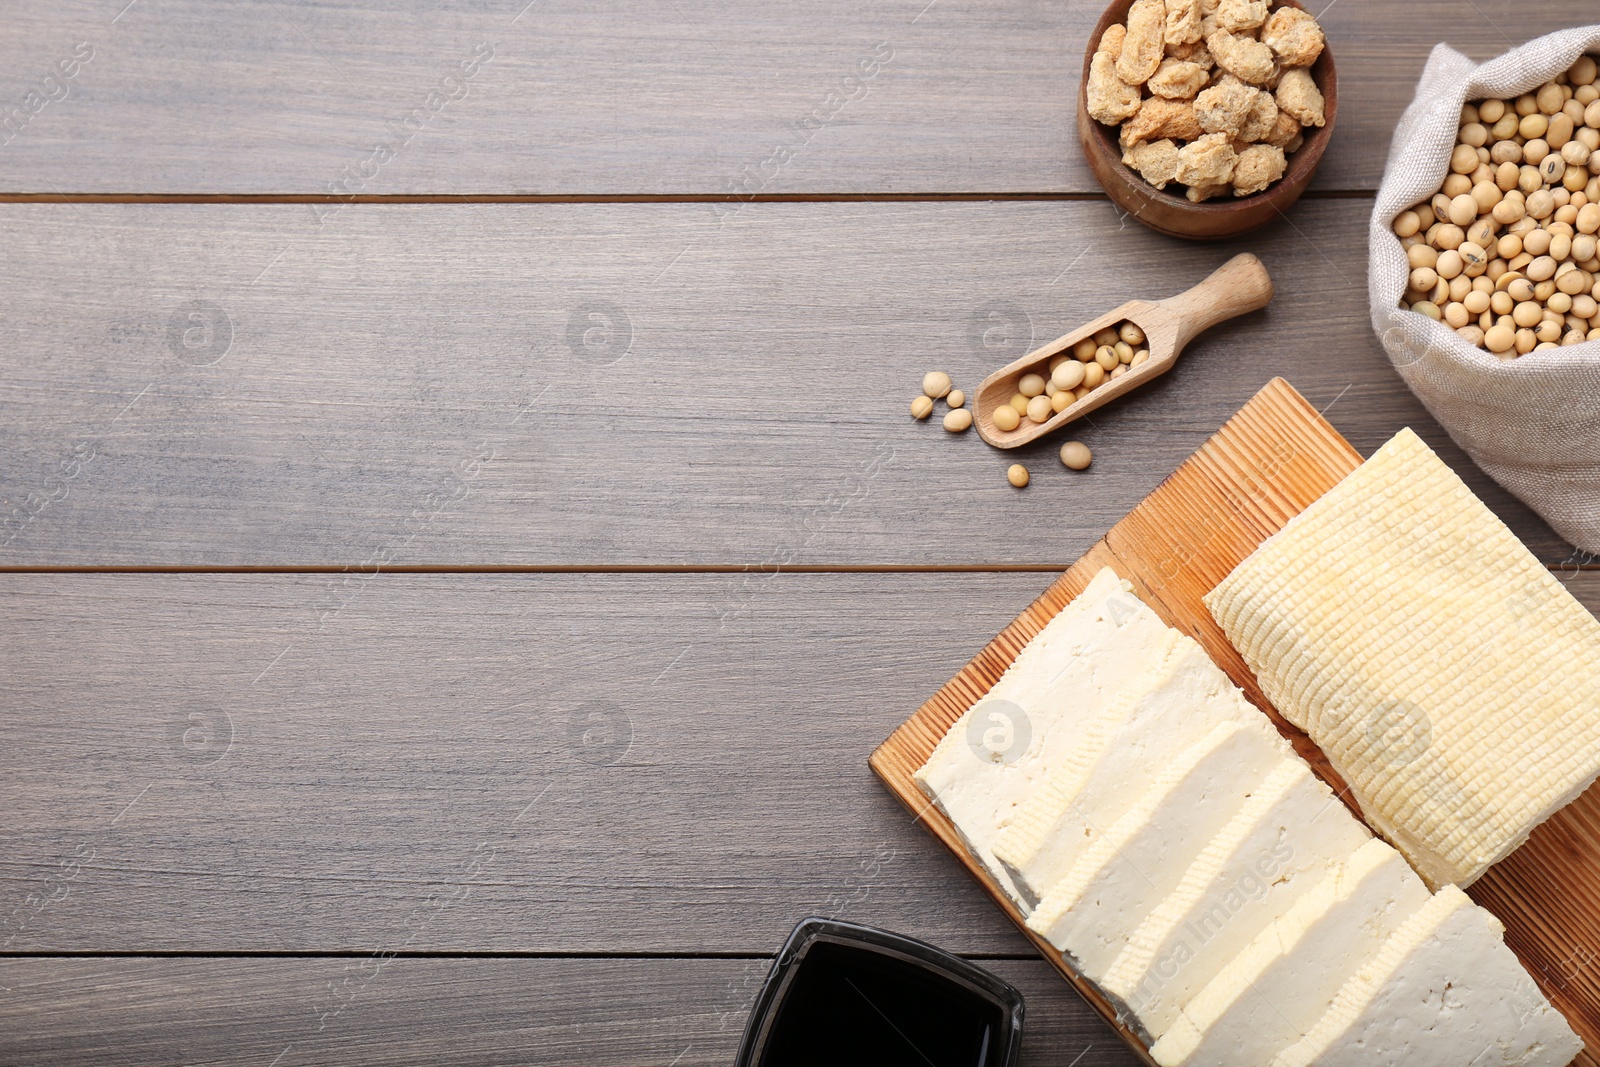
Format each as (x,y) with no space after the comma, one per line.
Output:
(1507,253)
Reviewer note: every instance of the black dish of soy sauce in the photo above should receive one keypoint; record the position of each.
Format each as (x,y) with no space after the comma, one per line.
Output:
(840,994)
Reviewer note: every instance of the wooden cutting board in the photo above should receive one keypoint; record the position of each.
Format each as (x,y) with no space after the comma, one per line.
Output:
(1264,466)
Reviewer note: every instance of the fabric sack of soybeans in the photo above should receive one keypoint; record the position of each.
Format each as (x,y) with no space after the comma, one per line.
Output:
(1533,421)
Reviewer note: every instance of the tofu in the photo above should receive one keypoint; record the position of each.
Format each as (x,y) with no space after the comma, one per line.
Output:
(1125,873)
(1274,992)
(1288,836)
(1448,675)
(1149,726)
(1444,991)
(1099,643)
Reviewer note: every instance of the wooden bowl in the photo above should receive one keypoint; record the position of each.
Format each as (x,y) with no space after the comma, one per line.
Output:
(1176,216)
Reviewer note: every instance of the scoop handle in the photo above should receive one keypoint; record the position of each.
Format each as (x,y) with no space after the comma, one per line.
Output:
(1239,286)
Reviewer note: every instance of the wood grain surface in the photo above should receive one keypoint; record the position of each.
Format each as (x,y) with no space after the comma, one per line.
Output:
(639,97)
(650,763)
(292,1012)
(585,385)
(1263,467)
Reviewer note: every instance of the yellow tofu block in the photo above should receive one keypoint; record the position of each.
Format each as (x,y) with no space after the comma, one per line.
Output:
(1450,678)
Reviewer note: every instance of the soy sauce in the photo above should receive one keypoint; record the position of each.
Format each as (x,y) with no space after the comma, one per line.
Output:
(851,1006)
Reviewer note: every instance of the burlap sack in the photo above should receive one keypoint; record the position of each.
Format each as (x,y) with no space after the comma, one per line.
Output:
(1533,422)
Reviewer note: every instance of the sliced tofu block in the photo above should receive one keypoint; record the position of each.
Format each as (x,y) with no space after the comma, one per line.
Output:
(1287,837)
(1449,676)
(1273,993)
(1003,747)
(1445,991)
(1126,872)
(1111,765)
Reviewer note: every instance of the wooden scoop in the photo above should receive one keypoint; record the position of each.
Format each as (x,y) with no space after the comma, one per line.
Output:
(1238,286)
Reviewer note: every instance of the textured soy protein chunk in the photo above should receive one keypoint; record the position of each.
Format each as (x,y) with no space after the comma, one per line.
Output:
(1245,58)
(1299,96)
(1111,100)
(1145,45)
(1178,79)
(1158,119)
(1156,162)
(1183,23)
(1207,162)
(1258,167)
(1238,16)
(1294,37)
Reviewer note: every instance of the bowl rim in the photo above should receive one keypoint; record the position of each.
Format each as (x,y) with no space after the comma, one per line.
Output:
(1302,164)
(934,961)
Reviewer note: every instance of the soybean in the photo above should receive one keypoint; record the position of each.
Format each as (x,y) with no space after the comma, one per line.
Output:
(1075,455)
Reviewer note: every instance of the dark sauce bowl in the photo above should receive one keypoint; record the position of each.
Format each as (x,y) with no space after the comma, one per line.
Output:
(840,994)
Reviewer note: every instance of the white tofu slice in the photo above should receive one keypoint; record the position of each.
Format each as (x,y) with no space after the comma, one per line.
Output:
(1289,835)
(1273,993)
(1110,768)
(1126,872)
(1445,991)
(1002,748)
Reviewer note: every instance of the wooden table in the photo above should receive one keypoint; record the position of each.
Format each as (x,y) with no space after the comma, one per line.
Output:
(462,530)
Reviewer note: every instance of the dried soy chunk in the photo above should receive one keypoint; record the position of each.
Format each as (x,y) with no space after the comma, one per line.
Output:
(1241,16)
(1193,53)
(1182,24)
(1299,96)
(1246,59)
(1294,37)
(1144,46)
(1225,107)
(1110,99)
(1285,130)
(1178,79)
(1262,118)
(1156,161)
(1111,41)
(1207,162)
(1200,193)
(1159,119)
(1258,166)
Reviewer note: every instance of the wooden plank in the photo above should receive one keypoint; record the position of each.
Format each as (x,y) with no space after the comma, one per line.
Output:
(687,97)
(1263,467)
(451,1012)
(222,385)
(357,741)
(652,97)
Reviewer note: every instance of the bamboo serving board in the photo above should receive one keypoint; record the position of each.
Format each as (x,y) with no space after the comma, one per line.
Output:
(1264,466)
